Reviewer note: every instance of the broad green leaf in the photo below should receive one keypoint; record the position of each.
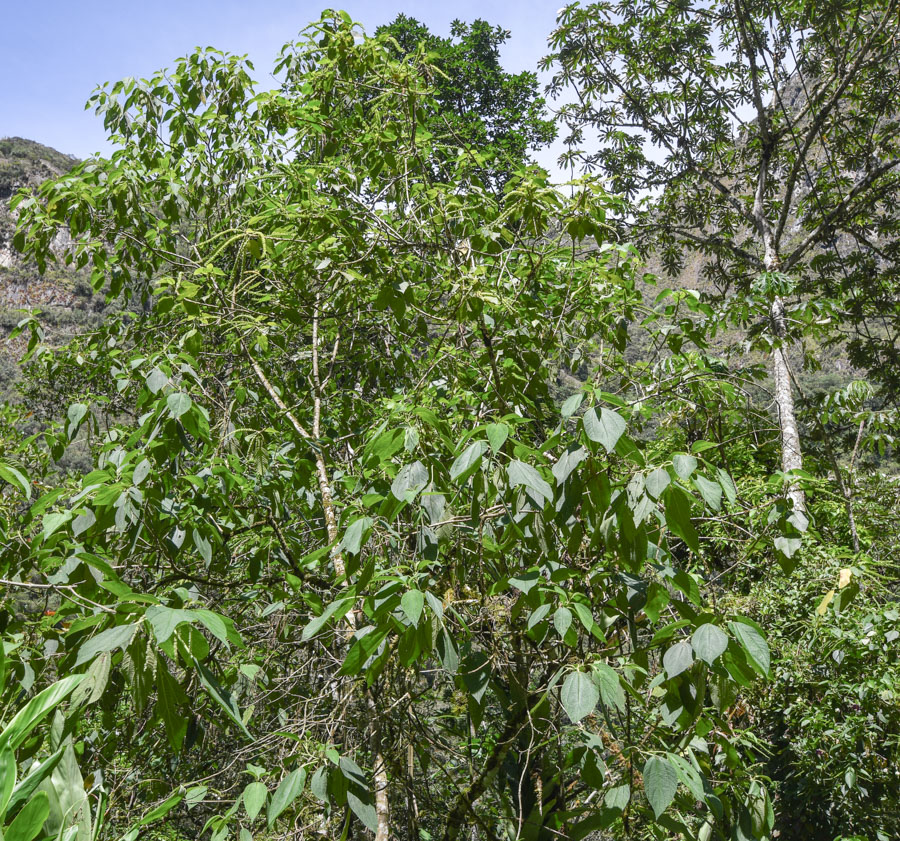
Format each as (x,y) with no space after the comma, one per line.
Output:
(356,535)
(571,405)
(169,698)
(754,645)
(678,517)
(364,809)
(221,696)
(617,797)
(411,479)
(467,461)
(164,620)
(522,474)
(178,403)
(606,428)
(336,609)
(727,484)
(28,823)
(678,658)
(156,380)
(684,465)
(710,491)
(497,434)
(657,482)
(660,783)
(567,462)
(7,776)
(562,620)
(16,478)
(287,792)
(413,602)
(709,642)
(118,637)
(75,414)
(611,692)
(254,798)
(579,696)
(27,718)
(35,776)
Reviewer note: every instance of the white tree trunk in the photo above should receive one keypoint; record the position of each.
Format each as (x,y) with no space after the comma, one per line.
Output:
(791,454)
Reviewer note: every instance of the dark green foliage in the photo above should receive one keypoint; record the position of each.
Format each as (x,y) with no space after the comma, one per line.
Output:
(478,107)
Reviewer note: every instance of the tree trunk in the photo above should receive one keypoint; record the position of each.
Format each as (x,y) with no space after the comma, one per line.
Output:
(791,454)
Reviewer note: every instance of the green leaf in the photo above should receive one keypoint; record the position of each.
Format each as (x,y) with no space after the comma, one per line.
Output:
(579,696)
(727,484)
(660,783)
(684,465)
(356,535)
(678,517)
(657,482)
(710,491)
(24,721)
(16,478)
(254,798)
(27,824)
(605,429)
(118,637)
(7,776)
(156,380)
(36,774)
(413,602)
(169,698)
(160,811)
(754,645)
(571,405)
(562,620)
(497,434)
(709,642)
(567,462)
(287,792)
(221,697)
(75,414)
(410,480)
(678,658)
(611,692)
(141,471)
(467,461)
(336,609)
(521,474)
(178,403)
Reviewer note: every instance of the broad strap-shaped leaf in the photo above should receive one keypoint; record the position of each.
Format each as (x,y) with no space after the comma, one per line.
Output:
(28,823)
(24,721)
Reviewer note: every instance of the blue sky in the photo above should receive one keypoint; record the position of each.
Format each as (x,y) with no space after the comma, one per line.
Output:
(55,53)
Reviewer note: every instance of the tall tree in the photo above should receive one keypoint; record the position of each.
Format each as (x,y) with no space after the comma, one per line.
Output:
(480,107)
(345,533)
(762,135)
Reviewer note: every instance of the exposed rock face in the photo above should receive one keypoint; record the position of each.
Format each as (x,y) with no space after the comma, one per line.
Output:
(64,297)
(23,163)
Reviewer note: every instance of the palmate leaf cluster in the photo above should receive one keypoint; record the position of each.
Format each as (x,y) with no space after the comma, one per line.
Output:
(350,557)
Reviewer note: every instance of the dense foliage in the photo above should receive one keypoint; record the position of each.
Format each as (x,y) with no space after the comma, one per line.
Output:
(411,509)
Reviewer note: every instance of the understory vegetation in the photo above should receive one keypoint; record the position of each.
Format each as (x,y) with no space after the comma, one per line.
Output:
(385,493)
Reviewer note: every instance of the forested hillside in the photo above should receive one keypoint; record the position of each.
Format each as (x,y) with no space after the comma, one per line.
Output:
(358,481)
